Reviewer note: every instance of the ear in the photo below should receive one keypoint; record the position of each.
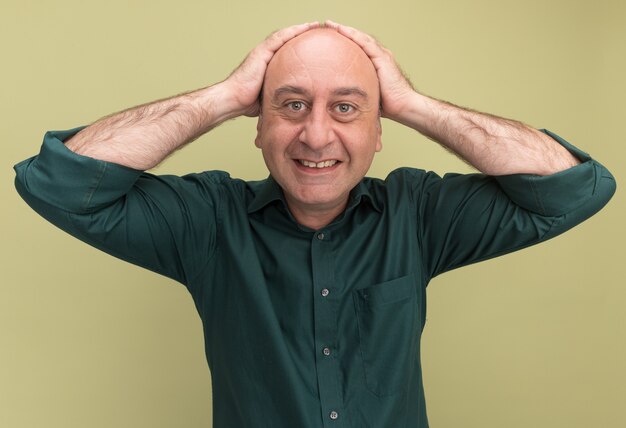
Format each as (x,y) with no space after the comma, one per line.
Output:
(257,139)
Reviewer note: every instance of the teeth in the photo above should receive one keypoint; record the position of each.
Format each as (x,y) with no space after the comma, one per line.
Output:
(324,164)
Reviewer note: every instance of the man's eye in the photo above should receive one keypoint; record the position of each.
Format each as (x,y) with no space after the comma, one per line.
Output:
(344,108)
(296,105)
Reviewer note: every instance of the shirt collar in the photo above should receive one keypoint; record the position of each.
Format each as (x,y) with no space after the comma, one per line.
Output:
(271,191)
(363,191)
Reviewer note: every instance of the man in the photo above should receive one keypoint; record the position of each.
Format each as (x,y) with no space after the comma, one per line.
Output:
(311,285)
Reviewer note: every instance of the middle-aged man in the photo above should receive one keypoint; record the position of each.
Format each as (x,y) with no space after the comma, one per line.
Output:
(311,284)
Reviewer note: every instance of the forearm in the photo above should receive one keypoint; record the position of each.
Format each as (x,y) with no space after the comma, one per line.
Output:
(493,145)
(141,137)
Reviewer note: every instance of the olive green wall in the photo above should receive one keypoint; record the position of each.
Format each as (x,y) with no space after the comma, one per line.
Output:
(535,339)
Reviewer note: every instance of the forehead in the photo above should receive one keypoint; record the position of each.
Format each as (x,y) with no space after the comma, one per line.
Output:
(321,61)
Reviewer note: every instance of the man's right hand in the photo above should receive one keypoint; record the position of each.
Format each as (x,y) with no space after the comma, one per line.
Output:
(245,83)
(141,137)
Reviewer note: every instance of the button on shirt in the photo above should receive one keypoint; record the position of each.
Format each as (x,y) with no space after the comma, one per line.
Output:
(306,328)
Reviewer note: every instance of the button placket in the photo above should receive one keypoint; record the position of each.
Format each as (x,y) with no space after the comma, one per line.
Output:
(325,324)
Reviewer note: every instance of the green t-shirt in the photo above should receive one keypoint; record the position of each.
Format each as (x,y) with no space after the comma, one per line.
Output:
(308,328)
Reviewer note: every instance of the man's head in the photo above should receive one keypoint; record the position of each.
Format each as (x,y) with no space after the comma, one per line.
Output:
(319,125)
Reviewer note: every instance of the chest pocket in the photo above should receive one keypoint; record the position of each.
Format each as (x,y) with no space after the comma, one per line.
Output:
(388,333)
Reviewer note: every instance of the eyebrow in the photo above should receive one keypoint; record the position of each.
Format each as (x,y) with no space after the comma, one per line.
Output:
(288,89)
(347,91)
(352,90)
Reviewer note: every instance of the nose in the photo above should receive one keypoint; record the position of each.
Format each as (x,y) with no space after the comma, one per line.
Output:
(318,131)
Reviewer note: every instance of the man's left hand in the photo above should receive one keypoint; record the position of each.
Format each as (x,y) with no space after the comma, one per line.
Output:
(396,90)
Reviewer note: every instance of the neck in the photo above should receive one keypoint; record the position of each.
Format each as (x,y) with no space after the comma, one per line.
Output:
(316,217)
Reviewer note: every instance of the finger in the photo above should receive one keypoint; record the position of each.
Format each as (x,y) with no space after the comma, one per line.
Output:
(261,55)
(280,37)
(266,50)
(368,43)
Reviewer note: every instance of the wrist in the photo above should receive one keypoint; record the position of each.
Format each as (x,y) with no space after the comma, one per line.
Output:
(218,104)
(416,111)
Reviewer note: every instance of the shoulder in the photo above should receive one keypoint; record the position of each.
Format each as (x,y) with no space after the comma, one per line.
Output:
(193,189)
(418,185)
(401,180)
(234,192)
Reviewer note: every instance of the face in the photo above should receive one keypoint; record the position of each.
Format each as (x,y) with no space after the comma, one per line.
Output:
(319,126)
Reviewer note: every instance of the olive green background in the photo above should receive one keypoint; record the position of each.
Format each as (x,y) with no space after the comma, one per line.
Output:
(535,339)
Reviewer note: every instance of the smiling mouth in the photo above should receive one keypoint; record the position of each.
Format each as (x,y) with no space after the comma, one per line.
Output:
(319,165)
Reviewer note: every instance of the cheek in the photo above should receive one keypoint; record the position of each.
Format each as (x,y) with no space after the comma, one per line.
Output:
(360,141)
(274,139)
(277,134)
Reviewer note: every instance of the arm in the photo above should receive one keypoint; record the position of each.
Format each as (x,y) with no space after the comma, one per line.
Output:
(143,136)
(493,145)
(535,185)
(90,183)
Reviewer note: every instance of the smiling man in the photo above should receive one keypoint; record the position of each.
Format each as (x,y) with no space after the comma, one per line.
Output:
(311,284)
(320,123)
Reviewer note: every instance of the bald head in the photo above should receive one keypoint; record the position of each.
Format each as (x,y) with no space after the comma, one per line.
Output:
(319,61)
